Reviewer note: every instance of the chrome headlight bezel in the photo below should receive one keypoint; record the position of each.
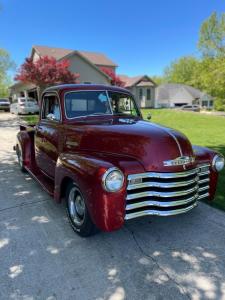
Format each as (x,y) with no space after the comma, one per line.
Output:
(218,162)
(106,177)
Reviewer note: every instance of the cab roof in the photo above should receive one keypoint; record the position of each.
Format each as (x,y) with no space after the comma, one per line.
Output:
(63,87)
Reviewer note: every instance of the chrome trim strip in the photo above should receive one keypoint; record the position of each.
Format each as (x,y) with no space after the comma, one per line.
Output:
(161,204)
(159,213)
(203,180)
(162,184)
(203,196)
(162,175)
(162,194)
(203,188)
(204,173)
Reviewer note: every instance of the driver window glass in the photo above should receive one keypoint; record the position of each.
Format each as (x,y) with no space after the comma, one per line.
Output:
(51,108)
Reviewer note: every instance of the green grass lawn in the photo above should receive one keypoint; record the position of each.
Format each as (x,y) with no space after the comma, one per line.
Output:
(30,119)
(202,130)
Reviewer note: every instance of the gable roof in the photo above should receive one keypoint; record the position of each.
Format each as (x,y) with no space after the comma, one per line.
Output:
(141,80)
(172,91)
(59,53)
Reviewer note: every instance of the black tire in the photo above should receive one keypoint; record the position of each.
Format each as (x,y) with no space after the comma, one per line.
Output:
(19,153)
(78,216)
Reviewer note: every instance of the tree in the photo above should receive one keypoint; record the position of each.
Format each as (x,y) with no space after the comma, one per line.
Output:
(212,36)
(45,71)
(115,80)
(5,65)
(181,70)
(158,79)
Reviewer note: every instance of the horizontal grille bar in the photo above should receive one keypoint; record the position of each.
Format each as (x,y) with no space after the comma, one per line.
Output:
(160,203)
(165,194)
(162,194)
(161,184)
(162,175)
(159,213)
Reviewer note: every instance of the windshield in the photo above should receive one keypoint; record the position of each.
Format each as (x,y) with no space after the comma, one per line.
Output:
(86,103)
(4,100)
(123,104)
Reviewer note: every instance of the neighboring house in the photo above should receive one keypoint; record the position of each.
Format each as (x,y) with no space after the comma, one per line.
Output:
(142,87)
(175,95)
(87,64)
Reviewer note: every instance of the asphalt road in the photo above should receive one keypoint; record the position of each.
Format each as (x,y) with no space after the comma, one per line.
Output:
(181,257)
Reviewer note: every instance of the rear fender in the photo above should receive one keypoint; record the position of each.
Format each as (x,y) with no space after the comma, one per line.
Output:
(25,144)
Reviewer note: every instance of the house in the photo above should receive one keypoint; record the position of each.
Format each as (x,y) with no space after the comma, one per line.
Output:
(87,64)
(174,95)
(142,87)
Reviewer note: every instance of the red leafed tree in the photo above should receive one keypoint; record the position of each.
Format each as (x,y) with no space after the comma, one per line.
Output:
(115,80)
(46,71)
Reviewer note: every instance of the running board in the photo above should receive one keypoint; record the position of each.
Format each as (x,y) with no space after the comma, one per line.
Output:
(46,183)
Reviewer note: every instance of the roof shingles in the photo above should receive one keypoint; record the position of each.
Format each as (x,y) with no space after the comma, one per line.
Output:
(58,53)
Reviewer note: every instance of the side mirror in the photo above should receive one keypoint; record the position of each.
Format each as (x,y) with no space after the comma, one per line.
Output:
(149,116)
(51,117)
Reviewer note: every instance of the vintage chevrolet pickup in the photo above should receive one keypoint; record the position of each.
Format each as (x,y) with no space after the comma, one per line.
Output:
(92,148)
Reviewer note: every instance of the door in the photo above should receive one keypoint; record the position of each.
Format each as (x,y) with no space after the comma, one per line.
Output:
(47,135)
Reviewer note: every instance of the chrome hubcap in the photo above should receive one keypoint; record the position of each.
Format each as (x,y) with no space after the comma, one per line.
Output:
(76,206)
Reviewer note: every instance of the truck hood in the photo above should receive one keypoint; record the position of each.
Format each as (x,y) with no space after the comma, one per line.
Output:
(149,143)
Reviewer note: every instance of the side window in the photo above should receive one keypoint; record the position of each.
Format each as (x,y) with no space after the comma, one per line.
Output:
(50,108)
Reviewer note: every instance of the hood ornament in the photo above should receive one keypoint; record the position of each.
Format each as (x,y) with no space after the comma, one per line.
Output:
(179,161)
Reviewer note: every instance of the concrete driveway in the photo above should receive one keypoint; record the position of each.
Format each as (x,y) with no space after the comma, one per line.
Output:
(180,257)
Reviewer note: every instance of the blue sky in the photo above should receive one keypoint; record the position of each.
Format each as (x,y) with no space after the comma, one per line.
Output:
(142,37)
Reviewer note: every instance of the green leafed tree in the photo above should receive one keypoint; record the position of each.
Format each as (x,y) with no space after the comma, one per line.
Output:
(212,36)
(5,65)
(181,70)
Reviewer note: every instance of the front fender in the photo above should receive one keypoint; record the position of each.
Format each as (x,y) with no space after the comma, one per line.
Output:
(106,209)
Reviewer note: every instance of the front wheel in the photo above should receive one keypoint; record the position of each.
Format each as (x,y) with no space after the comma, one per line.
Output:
(78,214)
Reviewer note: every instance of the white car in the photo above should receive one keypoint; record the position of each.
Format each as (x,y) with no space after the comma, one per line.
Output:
(23,106)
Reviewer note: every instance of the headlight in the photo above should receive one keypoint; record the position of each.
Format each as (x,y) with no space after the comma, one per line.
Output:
(113,180)
(218,162)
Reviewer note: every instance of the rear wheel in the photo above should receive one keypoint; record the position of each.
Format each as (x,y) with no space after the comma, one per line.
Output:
(78,213)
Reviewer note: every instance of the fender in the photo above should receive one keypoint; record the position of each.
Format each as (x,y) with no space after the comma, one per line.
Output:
(24,142)
(205,155)
(106,209)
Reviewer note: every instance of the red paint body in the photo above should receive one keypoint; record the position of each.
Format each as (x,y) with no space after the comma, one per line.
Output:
(82,151)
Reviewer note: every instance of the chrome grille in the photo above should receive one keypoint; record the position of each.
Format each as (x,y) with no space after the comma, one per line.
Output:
(165,194)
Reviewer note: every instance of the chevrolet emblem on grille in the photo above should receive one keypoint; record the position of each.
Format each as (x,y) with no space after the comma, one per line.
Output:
(179,161)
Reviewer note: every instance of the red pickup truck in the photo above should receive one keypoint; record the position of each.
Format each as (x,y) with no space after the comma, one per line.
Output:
(92,148)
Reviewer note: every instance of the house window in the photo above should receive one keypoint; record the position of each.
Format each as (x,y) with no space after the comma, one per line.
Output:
(211,103)
(140,94)
(148,94)
(205,103)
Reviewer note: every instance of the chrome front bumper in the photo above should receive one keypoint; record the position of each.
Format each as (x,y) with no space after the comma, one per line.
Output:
(166,194)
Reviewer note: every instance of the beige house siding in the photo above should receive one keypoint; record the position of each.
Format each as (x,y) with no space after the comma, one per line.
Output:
(87,72)
(143,102)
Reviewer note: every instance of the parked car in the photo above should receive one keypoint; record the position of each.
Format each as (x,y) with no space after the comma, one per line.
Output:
(23,106)
(92,148)
(195,108)
(4,104)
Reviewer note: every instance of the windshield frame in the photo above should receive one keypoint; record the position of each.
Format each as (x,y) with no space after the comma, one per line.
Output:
(109,102)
